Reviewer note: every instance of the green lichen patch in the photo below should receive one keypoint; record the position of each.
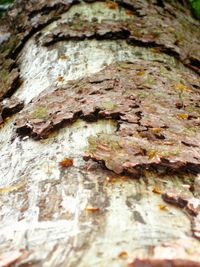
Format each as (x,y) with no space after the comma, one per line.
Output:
(110,105)
(40,113)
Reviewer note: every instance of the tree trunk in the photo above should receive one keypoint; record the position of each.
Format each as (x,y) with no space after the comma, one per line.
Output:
(100,167)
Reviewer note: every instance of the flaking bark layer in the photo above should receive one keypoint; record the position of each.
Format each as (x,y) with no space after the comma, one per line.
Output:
(157,116)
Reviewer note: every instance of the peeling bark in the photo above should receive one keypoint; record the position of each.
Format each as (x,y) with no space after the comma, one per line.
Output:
(172,255)
(108,82)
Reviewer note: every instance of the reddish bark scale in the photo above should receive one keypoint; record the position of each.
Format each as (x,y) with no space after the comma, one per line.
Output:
(66,162)
(91,208)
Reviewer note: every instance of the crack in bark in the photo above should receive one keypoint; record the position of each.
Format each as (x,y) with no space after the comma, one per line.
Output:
(9,107)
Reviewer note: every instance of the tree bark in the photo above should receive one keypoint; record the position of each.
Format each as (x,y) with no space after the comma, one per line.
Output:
(100,115)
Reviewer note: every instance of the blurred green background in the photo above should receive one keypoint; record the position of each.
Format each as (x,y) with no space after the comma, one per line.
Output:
(3,2)
(4,5)
(195,4)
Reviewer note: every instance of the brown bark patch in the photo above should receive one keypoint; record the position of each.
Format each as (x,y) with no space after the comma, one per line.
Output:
(150,134)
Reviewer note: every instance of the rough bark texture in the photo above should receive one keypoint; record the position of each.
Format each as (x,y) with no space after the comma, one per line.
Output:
(116,84)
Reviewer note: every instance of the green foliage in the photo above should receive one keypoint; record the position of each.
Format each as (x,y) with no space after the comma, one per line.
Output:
(195,4)
(3,5)
(2,2)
